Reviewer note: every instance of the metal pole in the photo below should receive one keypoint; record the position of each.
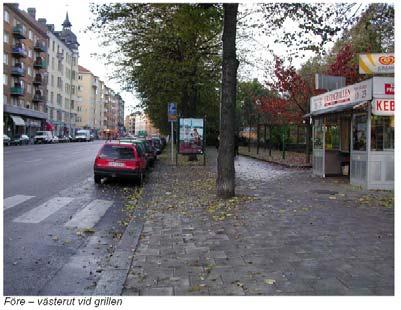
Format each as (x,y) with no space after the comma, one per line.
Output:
(172,143)
(283,139)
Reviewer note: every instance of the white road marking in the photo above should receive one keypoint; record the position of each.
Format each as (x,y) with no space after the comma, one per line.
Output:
(15,201)
(90,215)
(33,160)
(38,214)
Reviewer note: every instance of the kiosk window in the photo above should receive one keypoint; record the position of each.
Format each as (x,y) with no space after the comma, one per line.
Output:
(382,133)
(332,137)
(318,134)
(359,132)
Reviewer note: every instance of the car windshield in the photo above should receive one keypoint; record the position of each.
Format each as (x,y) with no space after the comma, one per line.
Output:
(79,132)
(117,152)
(40,133)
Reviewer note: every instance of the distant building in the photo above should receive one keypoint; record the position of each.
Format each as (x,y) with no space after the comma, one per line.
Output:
(144,124)
(24,72)
(130,123)
(101,109)
(88,92)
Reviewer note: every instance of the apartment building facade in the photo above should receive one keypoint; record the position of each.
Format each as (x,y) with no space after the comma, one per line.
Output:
(62,79)
(130,124)
(101,109)
(143,125)
(25,57)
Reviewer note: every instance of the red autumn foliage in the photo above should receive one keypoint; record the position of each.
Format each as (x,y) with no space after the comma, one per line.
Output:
(345,65)
(278,110)
(297,93)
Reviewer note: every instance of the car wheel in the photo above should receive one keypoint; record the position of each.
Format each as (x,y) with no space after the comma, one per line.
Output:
(98,179)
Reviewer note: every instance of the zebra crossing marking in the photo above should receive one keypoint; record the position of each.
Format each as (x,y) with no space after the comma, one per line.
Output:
(90,215)
(46,209)
(13,201)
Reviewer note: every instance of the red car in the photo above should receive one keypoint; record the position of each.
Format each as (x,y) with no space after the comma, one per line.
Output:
(119,160)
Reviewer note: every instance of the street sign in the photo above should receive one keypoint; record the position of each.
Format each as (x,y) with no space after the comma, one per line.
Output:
(172,112)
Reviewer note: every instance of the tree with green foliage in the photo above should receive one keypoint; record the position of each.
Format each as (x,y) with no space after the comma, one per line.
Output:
(166,53)
(172,52)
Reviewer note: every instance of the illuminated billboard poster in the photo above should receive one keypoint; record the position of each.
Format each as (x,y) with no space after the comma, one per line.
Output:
(191,135)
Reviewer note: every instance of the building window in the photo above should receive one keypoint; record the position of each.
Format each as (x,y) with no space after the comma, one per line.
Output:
(30,53)
(59,99)
(359,132)
(5,58)
(6,16)
(30,35)
(52,80)
(79,77)
(59,83)
(29,88)
(5,79)
(53,46)
(382,133)
(60,66)
(6,38)
(29,71)
(53,62)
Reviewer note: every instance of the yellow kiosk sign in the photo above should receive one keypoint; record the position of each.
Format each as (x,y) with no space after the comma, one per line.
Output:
(376,63)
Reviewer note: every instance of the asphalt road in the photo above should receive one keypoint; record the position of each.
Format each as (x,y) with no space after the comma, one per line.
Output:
(59,226)
(48,168)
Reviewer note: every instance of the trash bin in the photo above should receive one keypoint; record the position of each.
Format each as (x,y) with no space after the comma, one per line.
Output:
(345,168)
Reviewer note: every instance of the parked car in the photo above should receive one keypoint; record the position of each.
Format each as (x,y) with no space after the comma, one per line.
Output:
(83,136)
(6,140)
(151,153)
(157,145)
(55,139)
(20,140)
(164,142)
(119,160)
(63,139)
(141,144)
(43,137)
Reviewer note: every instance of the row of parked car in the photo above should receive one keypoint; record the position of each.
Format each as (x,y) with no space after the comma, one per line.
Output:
(45,137)
(129,157)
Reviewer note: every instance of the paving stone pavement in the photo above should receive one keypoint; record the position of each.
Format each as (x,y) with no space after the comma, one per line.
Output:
(288,233)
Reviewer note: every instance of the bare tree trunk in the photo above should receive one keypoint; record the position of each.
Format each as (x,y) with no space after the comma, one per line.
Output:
(225,159)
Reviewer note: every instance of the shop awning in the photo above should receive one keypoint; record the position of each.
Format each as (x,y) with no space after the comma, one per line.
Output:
(18,121)
(336,109)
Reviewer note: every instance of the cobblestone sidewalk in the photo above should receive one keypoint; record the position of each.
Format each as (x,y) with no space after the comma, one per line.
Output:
(286,233)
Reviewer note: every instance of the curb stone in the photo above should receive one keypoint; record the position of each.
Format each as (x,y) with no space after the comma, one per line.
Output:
(277,163)
(111,282)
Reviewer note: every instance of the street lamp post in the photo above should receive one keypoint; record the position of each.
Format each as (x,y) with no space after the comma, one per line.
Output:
(258,104)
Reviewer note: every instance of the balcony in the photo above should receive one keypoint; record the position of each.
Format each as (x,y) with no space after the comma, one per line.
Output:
(17,91)
(40,63)
(38,80)
(40,47)
(18,51)
(17,70)
(18,32)
(38,97)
